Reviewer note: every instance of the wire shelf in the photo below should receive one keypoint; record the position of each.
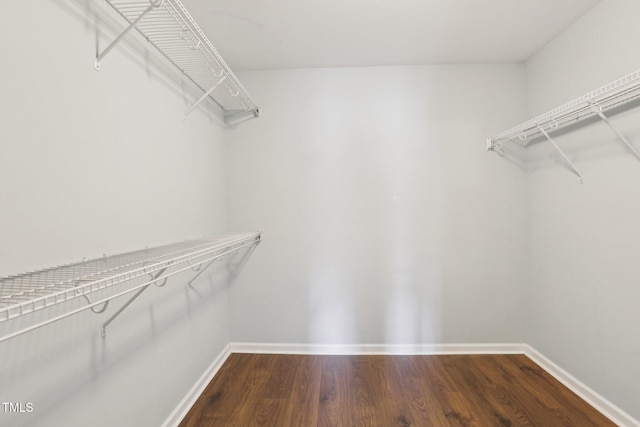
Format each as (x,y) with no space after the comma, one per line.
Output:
(593,103)
(29,292)
(169,27)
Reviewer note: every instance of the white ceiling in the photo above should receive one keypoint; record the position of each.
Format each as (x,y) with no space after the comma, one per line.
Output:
(275,34)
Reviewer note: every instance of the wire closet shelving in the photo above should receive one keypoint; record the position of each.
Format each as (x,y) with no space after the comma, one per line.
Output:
(169,27)
(594,103)
(99,281)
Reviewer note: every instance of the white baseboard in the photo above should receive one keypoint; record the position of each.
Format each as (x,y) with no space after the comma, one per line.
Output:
(198,388)
(605,407)
(376,349)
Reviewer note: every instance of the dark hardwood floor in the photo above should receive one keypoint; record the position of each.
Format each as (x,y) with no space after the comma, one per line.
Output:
(479,391)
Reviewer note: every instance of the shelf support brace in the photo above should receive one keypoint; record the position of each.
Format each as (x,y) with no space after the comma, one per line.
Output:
(564,156)
(202,98)
(130,300)
(152,5)
(627,143)
(200,271)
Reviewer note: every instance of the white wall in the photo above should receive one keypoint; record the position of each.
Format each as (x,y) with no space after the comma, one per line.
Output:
(582,302)
(97,163)
(384,219)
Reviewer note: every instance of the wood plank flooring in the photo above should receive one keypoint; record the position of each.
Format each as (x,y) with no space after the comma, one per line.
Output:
(309,391)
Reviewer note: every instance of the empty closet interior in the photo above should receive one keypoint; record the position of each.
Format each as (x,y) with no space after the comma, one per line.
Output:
(180,180)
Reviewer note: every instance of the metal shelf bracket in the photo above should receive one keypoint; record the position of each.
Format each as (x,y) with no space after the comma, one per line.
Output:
(203,97)
(199,271)
(564,156)
(598,110)
(154,279)
(152,5)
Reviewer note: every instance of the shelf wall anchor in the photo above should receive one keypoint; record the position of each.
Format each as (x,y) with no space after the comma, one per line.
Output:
(152,5)
(564,156)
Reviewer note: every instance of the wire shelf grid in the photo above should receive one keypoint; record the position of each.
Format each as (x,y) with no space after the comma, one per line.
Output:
(171,29)
(33,291)
(604,98)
